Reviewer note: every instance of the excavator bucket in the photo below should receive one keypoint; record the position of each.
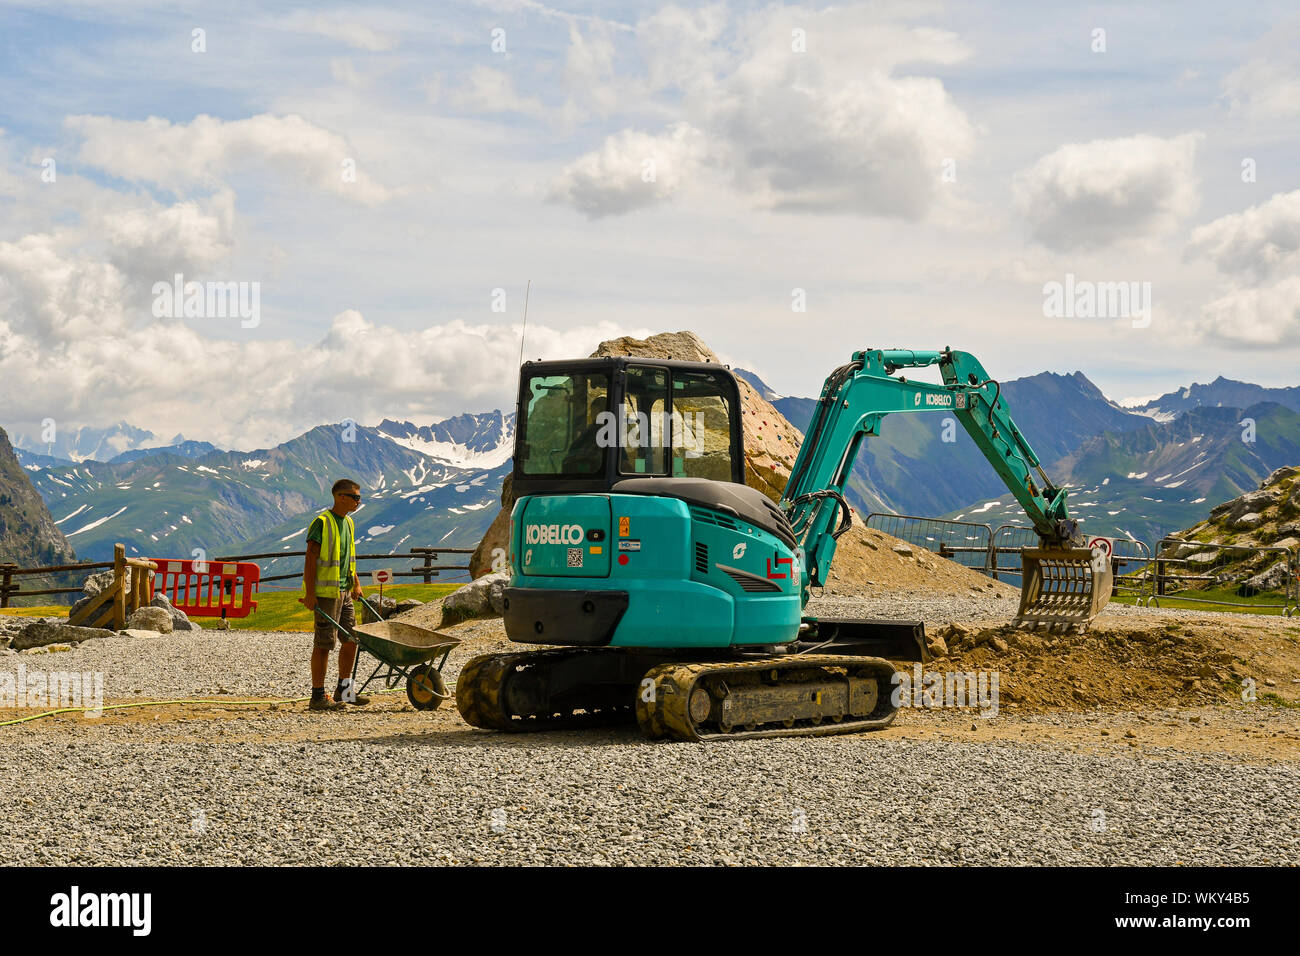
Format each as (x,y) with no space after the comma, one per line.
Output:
(1062,587)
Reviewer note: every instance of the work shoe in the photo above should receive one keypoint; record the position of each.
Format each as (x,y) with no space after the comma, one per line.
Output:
(324,703)
(360,700)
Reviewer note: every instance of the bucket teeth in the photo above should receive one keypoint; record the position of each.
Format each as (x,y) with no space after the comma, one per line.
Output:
(1062,587)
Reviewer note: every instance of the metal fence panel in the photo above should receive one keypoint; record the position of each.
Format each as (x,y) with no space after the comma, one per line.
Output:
(965,542)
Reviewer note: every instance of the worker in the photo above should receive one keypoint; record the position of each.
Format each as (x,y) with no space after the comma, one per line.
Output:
(329,584)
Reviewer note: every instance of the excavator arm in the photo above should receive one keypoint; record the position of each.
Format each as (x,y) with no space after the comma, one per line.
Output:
(1062,583)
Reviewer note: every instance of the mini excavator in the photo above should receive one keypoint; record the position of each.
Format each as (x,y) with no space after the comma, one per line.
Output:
(667,590)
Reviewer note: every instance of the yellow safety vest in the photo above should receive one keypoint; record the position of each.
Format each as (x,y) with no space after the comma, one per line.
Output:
(331,550)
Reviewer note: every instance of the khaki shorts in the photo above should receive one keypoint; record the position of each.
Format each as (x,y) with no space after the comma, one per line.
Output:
(339,608)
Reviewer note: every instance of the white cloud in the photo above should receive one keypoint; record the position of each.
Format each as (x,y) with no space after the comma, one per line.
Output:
(335,26)
(204,151)
(73,349)
(1257,242)
(632,169)
(1087,195)
(489,90)
(1255,317)
(1267,86)
(828,128)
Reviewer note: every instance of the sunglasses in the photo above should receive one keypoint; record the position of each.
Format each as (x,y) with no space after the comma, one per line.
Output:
(349,494)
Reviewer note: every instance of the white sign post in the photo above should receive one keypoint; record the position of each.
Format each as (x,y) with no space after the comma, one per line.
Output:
(381,577)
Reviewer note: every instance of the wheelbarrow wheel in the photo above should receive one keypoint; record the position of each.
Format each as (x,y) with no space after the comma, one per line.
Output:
(425,688)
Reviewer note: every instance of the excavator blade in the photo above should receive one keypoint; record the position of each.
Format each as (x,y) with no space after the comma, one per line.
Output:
(1062,587)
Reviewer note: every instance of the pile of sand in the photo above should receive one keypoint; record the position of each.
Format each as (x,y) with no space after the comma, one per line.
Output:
(1131,664)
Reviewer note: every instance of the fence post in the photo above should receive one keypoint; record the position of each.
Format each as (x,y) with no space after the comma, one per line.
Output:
(5,579)
(119,586)
(428,567)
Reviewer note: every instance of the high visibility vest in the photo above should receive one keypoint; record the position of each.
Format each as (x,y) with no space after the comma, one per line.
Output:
(331,550)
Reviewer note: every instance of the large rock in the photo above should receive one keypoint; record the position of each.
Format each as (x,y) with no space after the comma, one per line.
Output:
(1248,521)
(150,619)
(1278,474)
(483,597)
(1272,579)
(41,633)
(101,580)
(180,620)
(496,542)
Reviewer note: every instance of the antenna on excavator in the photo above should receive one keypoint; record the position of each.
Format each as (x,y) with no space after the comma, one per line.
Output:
(524,329)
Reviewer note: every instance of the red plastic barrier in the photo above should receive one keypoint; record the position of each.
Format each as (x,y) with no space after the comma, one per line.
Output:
(208,588)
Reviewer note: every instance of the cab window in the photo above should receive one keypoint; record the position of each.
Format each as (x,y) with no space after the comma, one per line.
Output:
(701,426)
(643,435)
(562,418)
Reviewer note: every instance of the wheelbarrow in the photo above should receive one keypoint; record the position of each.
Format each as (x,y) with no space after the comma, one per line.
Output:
(406,651)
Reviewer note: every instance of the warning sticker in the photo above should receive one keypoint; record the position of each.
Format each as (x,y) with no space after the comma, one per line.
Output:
(629,545)
(624,527)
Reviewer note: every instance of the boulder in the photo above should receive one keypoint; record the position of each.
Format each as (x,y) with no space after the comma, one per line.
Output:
(1286,471)
(150,619)
(410,604)
(496,542)
(180,620)
(41,633)
(1248,521)
(483,597)
(97,582)
(1272,579)
(136,632)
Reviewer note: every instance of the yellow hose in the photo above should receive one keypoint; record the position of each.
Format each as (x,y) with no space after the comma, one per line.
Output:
(161,703)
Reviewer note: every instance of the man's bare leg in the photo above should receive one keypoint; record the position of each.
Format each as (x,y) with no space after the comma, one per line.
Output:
(347,657)
(320,661)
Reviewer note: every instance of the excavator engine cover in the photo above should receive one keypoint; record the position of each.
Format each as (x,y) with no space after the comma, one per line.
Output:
(1062,587)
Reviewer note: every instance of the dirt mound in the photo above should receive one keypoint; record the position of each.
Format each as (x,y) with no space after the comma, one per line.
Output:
(1131,665)
(868,561)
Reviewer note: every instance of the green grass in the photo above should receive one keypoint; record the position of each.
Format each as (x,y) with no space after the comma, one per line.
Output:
(276,610)
(280,610)
(1197,601)
(56,610)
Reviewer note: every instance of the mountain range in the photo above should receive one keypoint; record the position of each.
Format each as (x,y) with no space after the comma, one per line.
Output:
(1144,471)
(423,485)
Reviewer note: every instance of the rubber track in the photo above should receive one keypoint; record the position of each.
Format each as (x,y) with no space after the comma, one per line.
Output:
(480,695)
(668,713)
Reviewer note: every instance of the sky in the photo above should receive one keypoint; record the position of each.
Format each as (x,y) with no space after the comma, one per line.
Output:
(381,183)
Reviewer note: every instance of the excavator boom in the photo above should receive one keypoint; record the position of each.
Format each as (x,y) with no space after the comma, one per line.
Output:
(1063,583)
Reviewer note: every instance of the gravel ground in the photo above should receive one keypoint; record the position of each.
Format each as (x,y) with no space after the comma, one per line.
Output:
(389,785)
(608,797)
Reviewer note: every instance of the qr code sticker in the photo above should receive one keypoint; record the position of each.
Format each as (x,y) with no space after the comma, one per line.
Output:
(575,557)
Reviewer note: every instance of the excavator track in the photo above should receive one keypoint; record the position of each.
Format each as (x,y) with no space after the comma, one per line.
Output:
(788,696)
(794,696)
(506,692)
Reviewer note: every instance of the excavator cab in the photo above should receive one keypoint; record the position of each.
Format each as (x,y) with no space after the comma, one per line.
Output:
(586,425)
